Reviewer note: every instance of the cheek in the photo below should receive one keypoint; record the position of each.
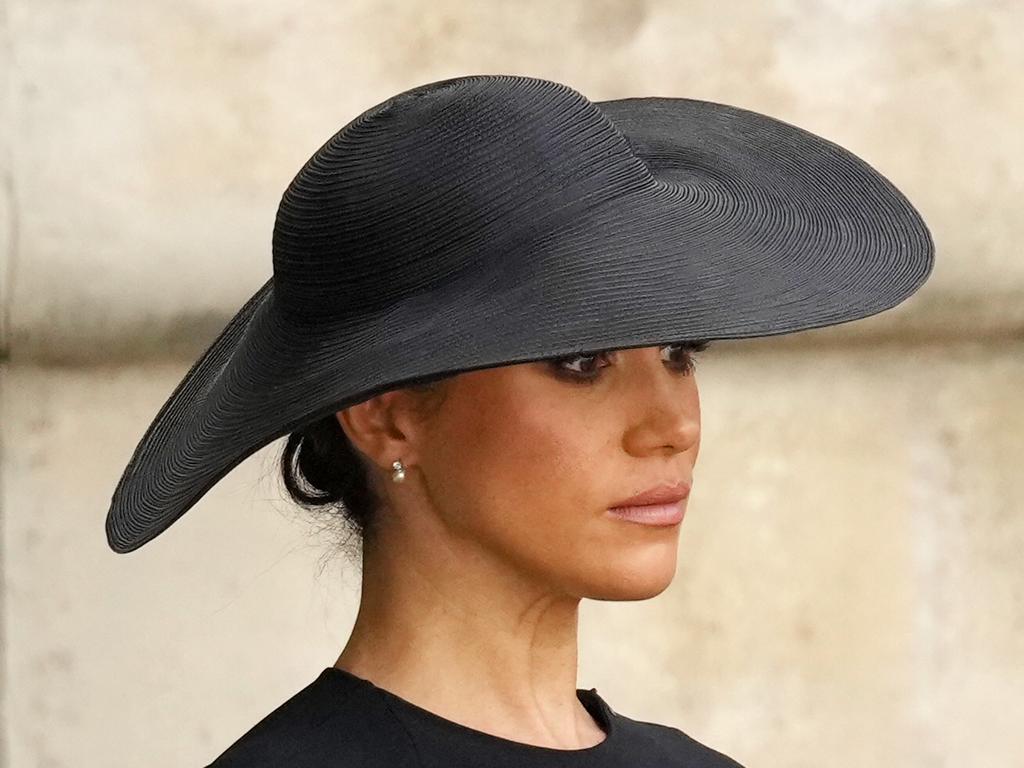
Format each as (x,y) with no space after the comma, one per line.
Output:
(530,468)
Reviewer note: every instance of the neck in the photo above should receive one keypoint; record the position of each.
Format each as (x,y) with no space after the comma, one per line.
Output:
(456,630)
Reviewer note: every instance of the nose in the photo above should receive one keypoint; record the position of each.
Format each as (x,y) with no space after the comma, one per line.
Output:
(664,408)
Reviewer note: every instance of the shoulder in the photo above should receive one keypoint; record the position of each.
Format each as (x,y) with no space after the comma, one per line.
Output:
(322,725)
(678,747)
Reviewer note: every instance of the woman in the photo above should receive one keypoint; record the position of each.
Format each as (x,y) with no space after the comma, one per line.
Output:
(480,336)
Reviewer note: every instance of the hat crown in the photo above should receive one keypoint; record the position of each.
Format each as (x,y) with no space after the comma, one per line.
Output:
(411,194)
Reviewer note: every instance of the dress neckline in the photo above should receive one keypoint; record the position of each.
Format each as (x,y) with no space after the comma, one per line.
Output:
(589,698)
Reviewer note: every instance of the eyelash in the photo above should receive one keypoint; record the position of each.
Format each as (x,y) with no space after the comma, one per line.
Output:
(688,368)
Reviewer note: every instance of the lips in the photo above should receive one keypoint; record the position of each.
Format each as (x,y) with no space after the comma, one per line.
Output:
(660,495)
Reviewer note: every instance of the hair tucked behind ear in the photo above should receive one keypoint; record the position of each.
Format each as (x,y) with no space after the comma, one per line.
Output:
(321,468)
(323,471)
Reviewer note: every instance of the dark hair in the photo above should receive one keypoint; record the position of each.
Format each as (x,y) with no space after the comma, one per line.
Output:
(324,472)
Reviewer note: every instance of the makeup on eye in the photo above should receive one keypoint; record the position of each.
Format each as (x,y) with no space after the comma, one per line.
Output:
(687,366)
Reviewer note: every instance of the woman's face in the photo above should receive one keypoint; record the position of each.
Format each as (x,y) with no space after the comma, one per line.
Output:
(523,461)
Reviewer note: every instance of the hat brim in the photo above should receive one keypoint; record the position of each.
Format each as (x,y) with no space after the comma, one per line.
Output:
(754,227)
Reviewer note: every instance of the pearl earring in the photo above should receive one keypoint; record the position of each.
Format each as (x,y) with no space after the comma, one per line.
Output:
(398,471)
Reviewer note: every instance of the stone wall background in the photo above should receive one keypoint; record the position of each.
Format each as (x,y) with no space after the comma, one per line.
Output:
(850,589)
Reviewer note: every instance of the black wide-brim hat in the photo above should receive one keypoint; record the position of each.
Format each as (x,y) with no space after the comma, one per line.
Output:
(494,219)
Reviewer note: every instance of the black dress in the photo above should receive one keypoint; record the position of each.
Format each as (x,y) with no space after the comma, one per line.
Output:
(344,721)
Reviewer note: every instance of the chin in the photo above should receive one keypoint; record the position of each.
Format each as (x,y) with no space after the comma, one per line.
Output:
(635,578)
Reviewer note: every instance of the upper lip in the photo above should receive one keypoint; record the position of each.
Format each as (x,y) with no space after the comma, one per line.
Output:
(666,493)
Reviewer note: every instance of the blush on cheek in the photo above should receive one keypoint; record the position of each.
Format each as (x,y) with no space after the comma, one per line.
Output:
(531,437)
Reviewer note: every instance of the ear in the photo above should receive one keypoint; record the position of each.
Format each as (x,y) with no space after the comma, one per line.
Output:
(384,428)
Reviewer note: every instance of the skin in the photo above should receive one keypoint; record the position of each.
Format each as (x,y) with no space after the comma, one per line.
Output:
(473,579)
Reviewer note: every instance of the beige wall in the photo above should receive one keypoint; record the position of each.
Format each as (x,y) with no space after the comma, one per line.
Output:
(850,589)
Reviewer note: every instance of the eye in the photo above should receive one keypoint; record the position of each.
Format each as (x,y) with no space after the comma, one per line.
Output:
(682,357)
(690,349)
(588,370)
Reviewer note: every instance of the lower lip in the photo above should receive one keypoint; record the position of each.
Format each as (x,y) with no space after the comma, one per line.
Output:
(651,514)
